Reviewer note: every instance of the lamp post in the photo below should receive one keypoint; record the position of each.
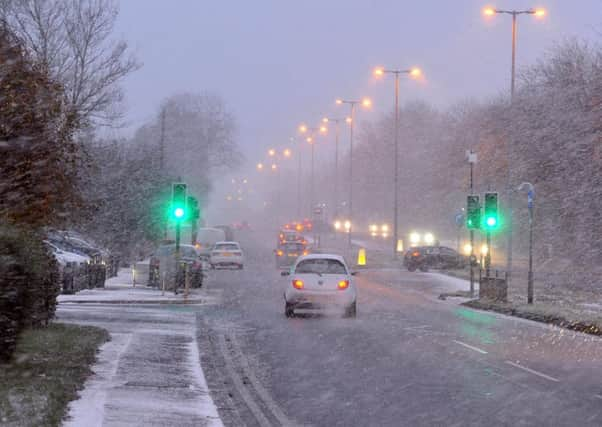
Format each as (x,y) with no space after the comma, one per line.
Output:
(379,72)
(352,103)
(538,13)
(336,121)
(530,198)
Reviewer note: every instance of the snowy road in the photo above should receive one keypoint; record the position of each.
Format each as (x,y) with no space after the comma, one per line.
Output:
(408,359)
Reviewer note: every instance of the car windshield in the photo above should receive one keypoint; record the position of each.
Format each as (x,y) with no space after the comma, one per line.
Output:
(320,266)
(293,247)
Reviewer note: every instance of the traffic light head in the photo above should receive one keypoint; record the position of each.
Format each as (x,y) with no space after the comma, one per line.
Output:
(178,201)
(473,212)
(194,213)
(492,221)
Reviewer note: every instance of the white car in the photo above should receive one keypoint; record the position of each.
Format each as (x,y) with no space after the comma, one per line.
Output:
(64,257)
(226,254)
(317,280)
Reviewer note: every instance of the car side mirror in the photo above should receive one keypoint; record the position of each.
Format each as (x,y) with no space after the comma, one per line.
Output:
(284,273)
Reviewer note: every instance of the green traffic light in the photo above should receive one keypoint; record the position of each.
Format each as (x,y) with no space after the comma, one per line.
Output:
(491,221)
(178,212)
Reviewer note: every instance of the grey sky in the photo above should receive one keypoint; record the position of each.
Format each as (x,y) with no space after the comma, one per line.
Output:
(278,62)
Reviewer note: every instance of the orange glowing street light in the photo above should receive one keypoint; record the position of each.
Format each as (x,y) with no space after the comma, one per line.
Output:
(259,166)
(538,13)
(365,102)
(412,72)
(271,152)
(302,128)
(274,167)
(491,11)
(286,152)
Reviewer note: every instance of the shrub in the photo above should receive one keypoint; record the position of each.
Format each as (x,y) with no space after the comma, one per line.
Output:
(29,285)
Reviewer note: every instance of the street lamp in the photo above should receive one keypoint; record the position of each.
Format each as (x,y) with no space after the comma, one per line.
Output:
(538,13)
(365,102)
(412,72)
(271,152)
(311,132)
(336,122)
(259,166)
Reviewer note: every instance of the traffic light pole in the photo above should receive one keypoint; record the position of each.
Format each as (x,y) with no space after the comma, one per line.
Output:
(175,287)
(488,255)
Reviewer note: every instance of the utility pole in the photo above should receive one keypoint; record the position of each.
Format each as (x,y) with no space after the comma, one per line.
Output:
(162,140)
(530,198)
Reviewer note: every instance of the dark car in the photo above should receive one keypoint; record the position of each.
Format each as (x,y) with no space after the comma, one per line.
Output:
(288,252)
(438,257)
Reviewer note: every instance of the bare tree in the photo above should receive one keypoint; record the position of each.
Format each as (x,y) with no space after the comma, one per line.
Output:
(72,40)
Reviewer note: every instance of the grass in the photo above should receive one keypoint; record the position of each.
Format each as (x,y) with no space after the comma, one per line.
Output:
(48,368)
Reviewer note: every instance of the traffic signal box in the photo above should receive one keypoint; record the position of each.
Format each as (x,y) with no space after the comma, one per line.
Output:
(178,209)
(491,220)
(194,213)
(473,212)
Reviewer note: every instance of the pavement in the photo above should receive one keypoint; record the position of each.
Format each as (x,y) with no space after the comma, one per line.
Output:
(149,373)
(409,358)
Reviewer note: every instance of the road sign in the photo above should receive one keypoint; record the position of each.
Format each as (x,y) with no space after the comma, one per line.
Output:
(459,218)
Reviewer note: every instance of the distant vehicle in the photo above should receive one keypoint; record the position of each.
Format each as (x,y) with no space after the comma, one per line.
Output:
(318,280)
(289,236)
(162,265)
(206,238)
(244,225)
(227,254)
(288,252)
(228,231)
(438,257)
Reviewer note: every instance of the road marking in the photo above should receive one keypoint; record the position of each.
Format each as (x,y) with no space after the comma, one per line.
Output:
(599,396)
(470,347)
(409,328)
(532,371)
(263,393)
(242,389)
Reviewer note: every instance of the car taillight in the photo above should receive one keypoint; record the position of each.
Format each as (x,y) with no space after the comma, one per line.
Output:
(415,253)
(298,284)
(280,253)
(343,284)
(305,252)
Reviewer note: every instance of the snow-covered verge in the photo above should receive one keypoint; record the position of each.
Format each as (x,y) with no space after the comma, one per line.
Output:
(49,366)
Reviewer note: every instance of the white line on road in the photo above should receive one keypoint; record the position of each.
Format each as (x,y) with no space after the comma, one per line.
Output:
(532,371)
(599,396)
(470,347)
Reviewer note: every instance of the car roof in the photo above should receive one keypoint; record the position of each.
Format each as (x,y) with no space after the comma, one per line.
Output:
(227,243)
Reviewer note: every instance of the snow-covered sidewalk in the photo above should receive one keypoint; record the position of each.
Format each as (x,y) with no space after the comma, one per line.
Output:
(121,289)
(149,374)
